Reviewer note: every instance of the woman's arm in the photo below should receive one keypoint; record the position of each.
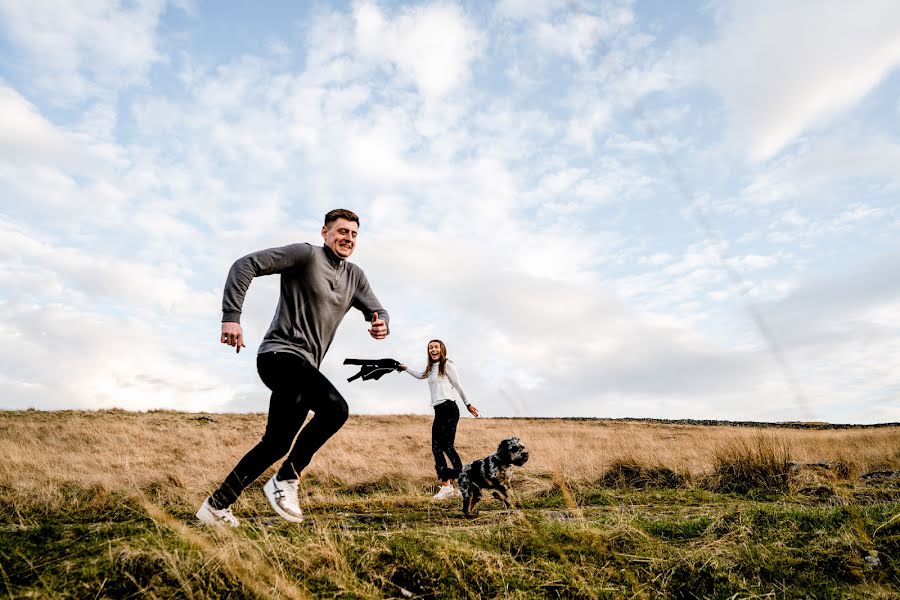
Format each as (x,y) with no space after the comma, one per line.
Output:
(414,373)
(453,375)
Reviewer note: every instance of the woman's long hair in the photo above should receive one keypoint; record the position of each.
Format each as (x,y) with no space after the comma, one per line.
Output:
(441,361)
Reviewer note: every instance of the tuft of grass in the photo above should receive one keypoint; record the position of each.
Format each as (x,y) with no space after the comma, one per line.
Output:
(758,466)
(676,529)
(631,473)
(697,578)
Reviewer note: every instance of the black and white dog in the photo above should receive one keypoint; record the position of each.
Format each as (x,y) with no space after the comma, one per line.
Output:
(491,473)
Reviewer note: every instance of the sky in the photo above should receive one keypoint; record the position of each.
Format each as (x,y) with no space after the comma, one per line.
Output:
(604,209)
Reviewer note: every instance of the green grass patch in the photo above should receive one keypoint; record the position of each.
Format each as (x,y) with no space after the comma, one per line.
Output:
(676,529)
(638,543)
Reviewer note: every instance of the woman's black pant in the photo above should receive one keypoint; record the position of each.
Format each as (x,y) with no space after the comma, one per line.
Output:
(297,388)
(443,434)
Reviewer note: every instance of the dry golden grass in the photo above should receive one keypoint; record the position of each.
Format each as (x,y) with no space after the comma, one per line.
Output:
(182,454)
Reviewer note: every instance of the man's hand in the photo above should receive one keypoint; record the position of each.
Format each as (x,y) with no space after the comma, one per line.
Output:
(233,335)
(473,410)
(379,328)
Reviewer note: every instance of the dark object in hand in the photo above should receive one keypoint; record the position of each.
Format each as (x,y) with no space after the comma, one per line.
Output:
(372,368)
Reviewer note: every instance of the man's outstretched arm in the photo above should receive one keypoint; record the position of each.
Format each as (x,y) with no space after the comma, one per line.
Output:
(372,310)
(242,273)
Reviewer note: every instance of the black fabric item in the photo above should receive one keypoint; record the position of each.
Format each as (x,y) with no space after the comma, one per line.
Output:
(297,388)
(443,435)
(372,368)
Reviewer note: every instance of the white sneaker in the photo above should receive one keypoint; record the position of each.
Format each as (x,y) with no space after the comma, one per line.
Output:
(216,517)
(282,496)
(446,491)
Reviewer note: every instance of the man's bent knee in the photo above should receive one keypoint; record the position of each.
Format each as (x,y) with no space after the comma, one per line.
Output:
(342,413)
(336,413)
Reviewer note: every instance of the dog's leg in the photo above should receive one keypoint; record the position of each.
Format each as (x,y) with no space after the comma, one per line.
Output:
(463,484)
(511,501)
(475,496)
(467,501)
(502,494)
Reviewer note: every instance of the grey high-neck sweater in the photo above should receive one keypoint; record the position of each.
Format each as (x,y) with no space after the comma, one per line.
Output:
(317,289)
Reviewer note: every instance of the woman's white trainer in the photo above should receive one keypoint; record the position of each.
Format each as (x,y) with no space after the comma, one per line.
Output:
(446,491)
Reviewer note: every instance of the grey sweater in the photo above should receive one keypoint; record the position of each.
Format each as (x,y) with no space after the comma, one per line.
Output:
(317,289)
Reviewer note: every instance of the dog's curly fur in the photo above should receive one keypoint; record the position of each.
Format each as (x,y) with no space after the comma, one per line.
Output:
(491,473)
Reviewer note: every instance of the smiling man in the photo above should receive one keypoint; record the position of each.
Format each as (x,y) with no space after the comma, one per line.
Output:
(318,287)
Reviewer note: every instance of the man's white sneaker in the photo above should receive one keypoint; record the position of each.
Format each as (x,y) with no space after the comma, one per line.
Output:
(446,491)
(282,496)
(216,517)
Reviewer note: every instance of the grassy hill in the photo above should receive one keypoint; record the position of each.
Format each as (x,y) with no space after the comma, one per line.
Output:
(101,504)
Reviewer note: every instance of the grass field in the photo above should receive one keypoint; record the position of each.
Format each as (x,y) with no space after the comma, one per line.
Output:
(101,504)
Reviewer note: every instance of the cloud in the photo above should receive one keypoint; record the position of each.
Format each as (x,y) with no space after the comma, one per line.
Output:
(64,358)
(85,280)
(74,49)
(25,135)
(835,332)
(784,70)
(55,175)
(432,45)
(526,9)
(576,37)
(88,329)
(857,218)
(841,300)
(817,169)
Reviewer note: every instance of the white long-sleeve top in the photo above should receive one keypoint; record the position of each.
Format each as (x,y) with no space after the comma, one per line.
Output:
(442,387)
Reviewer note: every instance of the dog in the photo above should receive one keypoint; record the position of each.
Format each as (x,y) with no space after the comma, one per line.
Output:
(491,473)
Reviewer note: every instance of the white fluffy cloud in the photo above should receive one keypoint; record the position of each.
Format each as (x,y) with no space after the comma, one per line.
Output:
(784,69)
(26,136)
(74,49)
(432,45)
(816,169)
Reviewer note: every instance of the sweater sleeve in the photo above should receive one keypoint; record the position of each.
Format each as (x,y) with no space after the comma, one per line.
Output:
(417,375)
(364,299)
(453,375)
(256,264)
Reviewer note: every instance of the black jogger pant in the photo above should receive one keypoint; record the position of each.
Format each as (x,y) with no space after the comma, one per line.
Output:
(443,434)
(297,388)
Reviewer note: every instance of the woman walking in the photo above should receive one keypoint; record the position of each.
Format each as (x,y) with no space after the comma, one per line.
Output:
(442,380)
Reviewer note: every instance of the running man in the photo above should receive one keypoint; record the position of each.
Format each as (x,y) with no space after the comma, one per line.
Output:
(318,287)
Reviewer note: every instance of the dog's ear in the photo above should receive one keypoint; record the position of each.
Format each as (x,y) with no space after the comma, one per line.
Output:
(508,445)
(506,449)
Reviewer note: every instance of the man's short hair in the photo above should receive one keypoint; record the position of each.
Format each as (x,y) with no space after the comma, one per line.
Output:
(340,213)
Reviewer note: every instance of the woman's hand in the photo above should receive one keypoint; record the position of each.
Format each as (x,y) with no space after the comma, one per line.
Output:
(472,410)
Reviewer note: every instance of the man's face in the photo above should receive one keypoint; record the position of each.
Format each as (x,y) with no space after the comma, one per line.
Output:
(340,236)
